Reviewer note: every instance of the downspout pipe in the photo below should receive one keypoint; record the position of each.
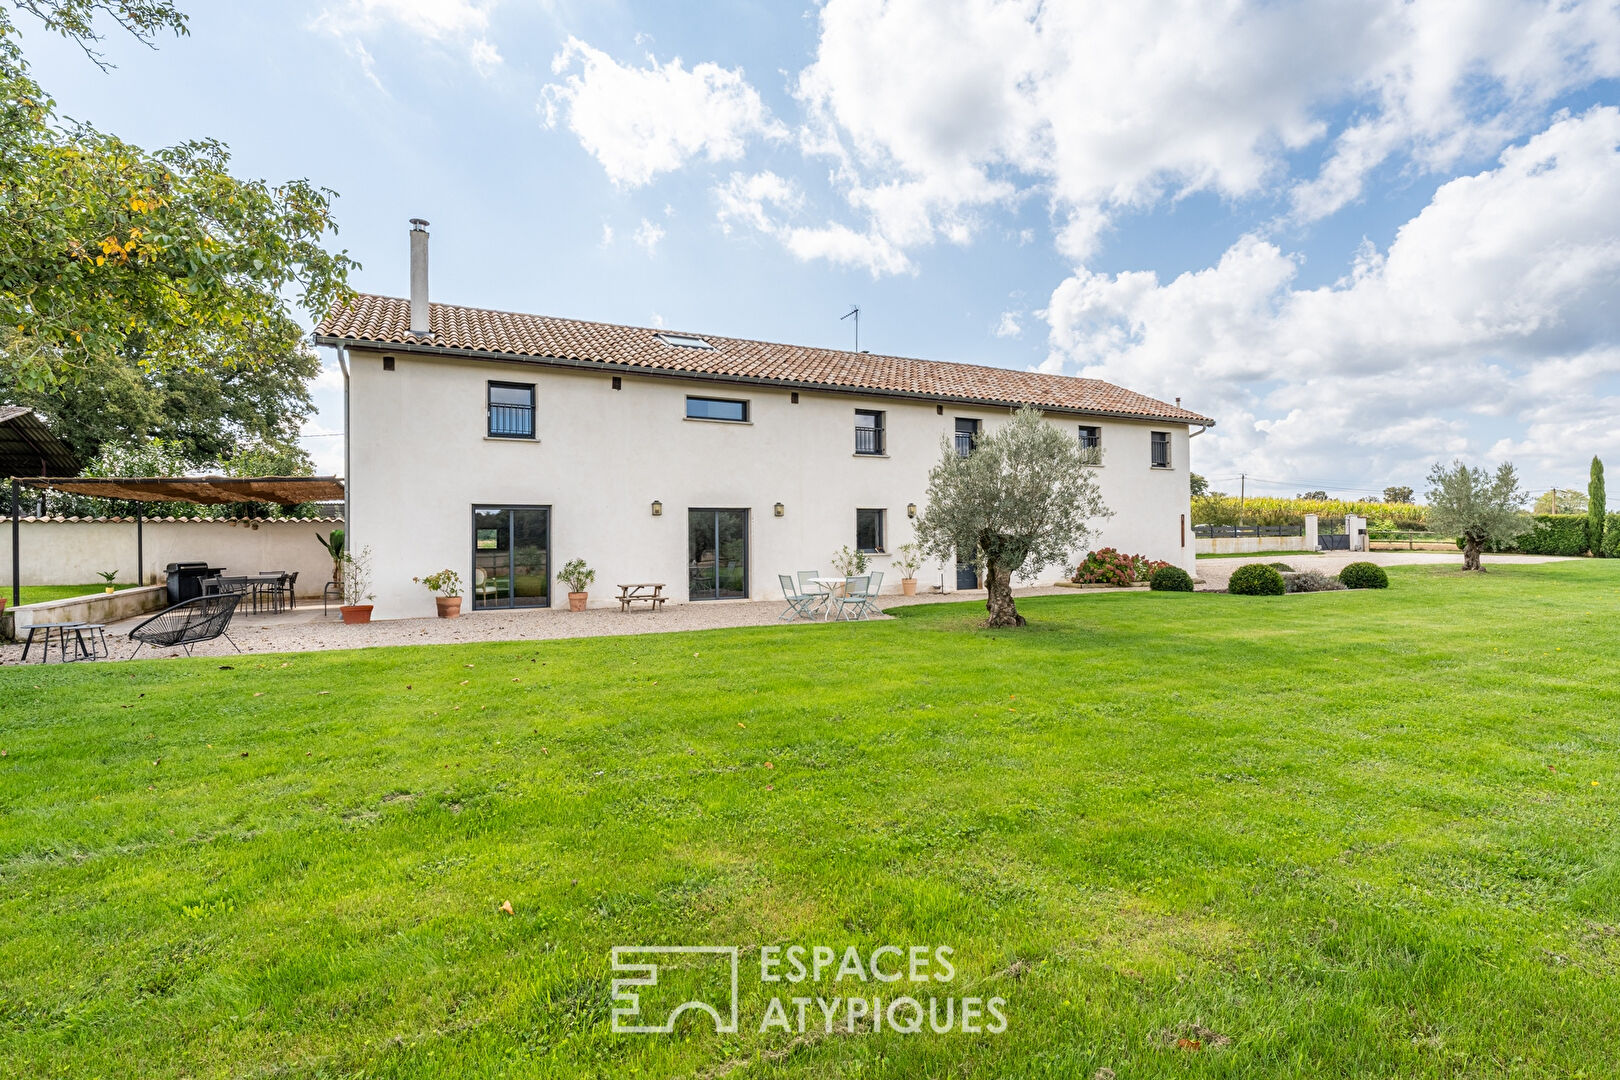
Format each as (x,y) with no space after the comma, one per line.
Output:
(348,473)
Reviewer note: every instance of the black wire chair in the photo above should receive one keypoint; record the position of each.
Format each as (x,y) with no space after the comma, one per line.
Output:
(188,623)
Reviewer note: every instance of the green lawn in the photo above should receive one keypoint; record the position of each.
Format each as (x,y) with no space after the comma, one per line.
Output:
(39,594)
(1183,835)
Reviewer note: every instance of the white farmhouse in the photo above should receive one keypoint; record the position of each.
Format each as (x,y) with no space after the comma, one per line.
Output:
(503,445)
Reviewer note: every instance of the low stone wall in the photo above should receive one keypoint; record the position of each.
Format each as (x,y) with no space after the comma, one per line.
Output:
(71,551)
(1252,545)
(101,608)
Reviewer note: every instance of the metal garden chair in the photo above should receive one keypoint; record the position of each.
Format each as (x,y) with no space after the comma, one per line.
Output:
(853,598)
(801,605)
(188,623)
(873,587)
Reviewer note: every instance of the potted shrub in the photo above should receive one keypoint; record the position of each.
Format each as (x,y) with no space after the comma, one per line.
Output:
(447,583)
(356,580)
(848,563)
(107,576)
(333,543)
(908,560)
(578,577)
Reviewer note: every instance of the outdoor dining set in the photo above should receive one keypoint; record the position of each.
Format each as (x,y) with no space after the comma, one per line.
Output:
(811,596)
(267,591)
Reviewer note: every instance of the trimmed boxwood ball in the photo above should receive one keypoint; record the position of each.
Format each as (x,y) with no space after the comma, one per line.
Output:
(1256,579)
(1364,575)
(1170,579)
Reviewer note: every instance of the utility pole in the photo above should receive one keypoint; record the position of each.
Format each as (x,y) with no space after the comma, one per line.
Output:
(855,310)
(1243,495)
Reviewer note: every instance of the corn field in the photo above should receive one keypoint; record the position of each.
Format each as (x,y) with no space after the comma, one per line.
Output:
(1263,510)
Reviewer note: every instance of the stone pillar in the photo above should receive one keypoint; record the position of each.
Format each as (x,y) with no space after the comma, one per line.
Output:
(1310,532)
(1356,527)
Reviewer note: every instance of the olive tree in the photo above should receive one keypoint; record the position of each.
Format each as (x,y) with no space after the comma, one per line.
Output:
(1481,509)
(1021,500)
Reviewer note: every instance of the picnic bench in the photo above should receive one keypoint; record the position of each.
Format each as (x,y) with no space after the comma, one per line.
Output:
(650,593)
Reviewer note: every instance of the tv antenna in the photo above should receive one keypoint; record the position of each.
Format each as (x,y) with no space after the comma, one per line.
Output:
(855,310)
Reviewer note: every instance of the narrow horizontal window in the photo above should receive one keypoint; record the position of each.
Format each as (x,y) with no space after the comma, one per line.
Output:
(511,410)
(703,408)
(683,341)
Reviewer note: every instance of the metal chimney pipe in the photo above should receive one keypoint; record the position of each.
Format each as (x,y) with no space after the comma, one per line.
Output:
(419,279)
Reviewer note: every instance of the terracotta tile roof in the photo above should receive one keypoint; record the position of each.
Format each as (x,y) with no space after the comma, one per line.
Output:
(385,320)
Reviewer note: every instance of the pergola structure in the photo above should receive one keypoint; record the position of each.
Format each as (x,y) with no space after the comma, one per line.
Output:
(203,490)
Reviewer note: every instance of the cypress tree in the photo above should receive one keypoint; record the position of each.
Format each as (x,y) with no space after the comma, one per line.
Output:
(1596,506)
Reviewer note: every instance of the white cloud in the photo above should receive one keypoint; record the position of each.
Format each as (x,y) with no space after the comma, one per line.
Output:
(459,26)
(642,121)
(934,113)
(765,201)
(1009,326)
(648,236)
(1491,309)
(607,235)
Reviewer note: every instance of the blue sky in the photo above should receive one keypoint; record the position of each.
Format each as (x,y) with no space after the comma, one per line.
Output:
(1363,236)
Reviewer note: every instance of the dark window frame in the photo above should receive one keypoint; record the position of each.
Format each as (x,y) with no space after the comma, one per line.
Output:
(474,602)
(965,447)
(490,406)
(1157,439)
(747,409)
(1091,444)
(882,528)
(875,444)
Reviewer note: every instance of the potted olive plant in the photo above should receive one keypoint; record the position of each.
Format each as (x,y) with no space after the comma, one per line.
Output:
(107,576)
(356,581)
(908,560)
(578,577)
(447,584)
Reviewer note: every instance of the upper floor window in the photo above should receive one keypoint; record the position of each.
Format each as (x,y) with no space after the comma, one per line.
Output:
(869,530)
(511,410)
(704,408)
(1161,449)
(1091,444)
(967,436)
(869,432)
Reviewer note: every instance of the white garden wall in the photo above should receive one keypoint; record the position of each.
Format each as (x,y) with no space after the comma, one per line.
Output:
(70,551)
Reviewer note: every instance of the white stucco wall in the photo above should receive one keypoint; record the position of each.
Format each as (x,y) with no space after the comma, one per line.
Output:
(70,551)
(421,460)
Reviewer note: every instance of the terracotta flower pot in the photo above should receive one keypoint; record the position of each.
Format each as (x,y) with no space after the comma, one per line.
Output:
(576,601)
(356,613)
(908,586)
(449,606)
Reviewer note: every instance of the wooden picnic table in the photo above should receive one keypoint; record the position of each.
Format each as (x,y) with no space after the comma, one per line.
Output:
(650,593)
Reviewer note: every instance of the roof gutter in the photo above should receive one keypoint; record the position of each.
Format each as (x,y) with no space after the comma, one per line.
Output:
(751,380)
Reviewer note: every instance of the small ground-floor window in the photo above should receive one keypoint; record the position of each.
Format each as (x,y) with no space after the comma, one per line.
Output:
(869,530)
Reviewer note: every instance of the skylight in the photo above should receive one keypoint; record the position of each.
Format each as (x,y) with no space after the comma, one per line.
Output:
(681,341)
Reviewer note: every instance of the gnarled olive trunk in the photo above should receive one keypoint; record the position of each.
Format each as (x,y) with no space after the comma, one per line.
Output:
(1471,550)
(998,581)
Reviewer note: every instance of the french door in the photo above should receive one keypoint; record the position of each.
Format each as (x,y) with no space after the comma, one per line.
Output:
(511,557)
(717,554)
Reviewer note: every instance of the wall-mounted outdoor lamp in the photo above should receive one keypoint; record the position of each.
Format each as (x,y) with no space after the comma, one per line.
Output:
(780,509)
(658,508)
(911,510)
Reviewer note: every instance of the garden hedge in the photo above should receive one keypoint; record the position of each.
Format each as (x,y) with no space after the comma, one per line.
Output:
(1611,536)
(1555,534)
(1256,579)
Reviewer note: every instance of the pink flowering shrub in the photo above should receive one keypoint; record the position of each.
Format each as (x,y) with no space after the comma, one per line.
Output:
(1106,566)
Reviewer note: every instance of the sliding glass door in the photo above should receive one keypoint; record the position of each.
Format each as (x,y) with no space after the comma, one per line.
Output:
(717,554)
(511,556)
